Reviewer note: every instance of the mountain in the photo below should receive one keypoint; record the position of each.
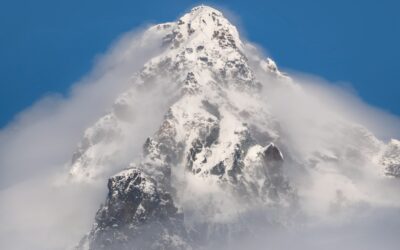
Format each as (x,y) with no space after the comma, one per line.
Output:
(219,154)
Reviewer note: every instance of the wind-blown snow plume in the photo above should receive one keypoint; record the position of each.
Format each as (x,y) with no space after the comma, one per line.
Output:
(206,145)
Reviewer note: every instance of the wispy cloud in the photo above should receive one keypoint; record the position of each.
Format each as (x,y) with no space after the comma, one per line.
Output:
(37,210)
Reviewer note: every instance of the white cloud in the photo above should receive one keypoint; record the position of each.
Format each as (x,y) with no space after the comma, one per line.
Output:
(37,211)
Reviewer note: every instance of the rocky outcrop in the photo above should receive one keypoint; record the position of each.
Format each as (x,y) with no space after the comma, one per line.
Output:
(391,159)
(137,214)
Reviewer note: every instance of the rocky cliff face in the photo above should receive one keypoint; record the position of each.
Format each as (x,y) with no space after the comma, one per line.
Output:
(136,213)
(216,132)
(391,158)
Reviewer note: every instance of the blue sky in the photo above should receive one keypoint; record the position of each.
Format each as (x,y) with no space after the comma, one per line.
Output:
(47,45)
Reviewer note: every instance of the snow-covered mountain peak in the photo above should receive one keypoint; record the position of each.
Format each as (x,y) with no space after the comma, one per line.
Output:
(206,23)
(214,144)
(202,55)
(202,50)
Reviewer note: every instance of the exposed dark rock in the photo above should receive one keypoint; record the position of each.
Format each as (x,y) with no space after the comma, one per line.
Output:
(203,59)
(212,136)
(196,148)
(218,169)
(393,170)
(137,214)
(190,29)
(272,153)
